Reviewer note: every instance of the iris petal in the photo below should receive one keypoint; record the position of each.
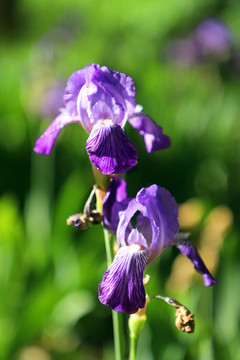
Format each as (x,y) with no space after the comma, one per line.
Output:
(152,133)
(114,201)
(110,150)
(74,84)
(46,141)
(160,208)
(122,284)
(188,249)
(117,90)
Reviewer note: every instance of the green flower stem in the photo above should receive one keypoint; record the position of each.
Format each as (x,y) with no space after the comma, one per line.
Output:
(133,348)
(136,324)
(108,247)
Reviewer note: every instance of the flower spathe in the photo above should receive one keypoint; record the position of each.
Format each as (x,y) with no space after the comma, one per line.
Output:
(156,229)
(102,101)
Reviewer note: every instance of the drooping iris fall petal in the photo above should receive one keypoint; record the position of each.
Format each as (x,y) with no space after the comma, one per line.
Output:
(110,150)
(122,285)
(46,141)
(187,248)
(151,132)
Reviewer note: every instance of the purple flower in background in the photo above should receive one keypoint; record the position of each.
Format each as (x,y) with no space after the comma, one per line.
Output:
(102,101)
(211,39)
(182,52)
(156,229)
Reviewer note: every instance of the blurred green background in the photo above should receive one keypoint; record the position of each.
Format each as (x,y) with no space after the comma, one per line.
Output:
(49,272)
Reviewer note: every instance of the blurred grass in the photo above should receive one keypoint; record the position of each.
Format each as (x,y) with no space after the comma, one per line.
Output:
(49,273)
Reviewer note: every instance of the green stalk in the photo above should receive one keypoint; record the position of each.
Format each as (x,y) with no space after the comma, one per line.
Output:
(136,323)
(133,348)
(108,247)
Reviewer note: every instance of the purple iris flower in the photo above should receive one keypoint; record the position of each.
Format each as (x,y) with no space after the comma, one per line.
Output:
(213,38)
(102,101)
(156,229)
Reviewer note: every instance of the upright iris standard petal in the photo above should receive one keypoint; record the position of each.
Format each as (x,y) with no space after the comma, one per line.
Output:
(160,208)
(74,85)
(110,150)
(122,284)
(152,133)
(188,249)
(117,90)
(45,143)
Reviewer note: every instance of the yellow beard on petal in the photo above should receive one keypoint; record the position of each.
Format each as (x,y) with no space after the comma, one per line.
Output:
(107,122)
(135,248)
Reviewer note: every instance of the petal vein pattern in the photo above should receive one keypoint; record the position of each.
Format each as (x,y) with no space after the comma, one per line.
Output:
(122,284)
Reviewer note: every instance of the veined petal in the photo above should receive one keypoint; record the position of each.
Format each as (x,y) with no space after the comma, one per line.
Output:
(110,150)
(74,84)
(122,284)
(188,249)
(152,133)
(46,141)
(160,208)
(76,96)
(117,90)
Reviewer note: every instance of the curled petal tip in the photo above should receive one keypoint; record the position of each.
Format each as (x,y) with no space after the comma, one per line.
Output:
(209,280)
